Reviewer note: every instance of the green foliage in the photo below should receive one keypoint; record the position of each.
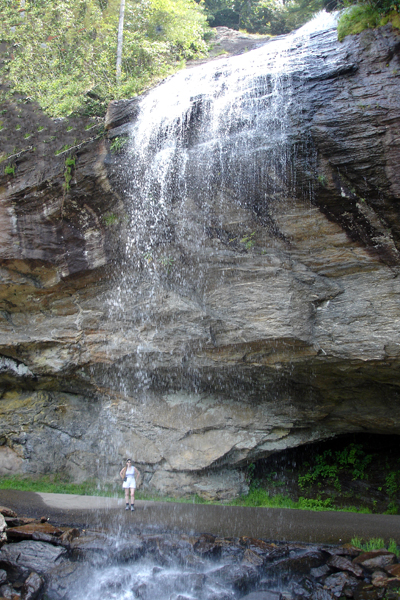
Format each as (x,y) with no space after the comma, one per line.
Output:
(110,219)
(167,262)
(9,170)
(118,143)
(69,167)
(315,504)
(265,16)
(248,241)
(368,14)
(392,483)
(63,53)
(64,148)
(329,465)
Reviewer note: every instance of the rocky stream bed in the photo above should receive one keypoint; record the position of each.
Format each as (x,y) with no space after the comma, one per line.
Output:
(40,560)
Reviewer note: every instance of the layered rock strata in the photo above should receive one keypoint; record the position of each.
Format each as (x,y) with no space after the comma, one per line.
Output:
(240,349)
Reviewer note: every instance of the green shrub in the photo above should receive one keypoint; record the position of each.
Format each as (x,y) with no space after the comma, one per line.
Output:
(367,15)
(9,170)
(329,465)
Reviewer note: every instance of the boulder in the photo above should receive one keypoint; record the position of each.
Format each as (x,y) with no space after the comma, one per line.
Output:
(7,512)
(241,577)
(32,587)
(343,564)
(337,583)
(34,531)
(376,559)
(27,556)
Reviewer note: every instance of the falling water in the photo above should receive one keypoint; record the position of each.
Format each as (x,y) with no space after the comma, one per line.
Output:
(211,140)
(217,130)
(214,139)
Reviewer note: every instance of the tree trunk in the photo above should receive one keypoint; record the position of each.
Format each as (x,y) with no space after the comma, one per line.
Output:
(120,36)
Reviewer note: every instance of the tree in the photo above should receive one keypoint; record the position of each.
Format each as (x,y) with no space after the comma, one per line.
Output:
(120,38)
(63,54)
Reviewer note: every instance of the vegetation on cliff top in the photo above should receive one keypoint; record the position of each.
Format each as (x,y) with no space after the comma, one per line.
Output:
(62,54)
(367,14)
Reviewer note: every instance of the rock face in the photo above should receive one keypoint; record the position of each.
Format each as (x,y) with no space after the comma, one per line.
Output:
(256,323)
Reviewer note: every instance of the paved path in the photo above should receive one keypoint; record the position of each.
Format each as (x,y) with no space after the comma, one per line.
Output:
(281,524)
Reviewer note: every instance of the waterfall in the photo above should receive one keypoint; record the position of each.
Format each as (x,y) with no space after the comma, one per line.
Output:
(209,158)
(214,131)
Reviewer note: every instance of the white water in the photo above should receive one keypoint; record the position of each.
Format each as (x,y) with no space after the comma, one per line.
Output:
(205,132)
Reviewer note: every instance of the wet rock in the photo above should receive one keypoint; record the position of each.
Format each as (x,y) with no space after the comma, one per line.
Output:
(7,512)
(299,593)
(367,591)
(220,596)
(32,586)
(8,592)
(379,579)
(321,571)
(231,551)
(322,594)
(207,546)
(252,558)
(29,556)
(3,527)
(27,532)
(344,564)
(393,570)
(263,595)
(376,559)
(337,582)
(346,550)
(97,547)
(63,577)
(191,582)
(257,545)
(193,560)
(300,564)
(241,577)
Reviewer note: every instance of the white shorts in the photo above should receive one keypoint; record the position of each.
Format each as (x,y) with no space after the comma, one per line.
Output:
(129,483)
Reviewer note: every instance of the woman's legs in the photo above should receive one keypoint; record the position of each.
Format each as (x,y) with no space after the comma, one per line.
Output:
(132,497)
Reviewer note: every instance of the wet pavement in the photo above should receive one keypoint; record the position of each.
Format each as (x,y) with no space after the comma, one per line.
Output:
(281,524)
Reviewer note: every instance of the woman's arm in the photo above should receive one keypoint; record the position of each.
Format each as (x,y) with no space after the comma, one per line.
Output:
(123,473)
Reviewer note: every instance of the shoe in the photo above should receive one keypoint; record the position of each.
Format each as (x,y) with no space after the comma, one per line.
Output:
(132,508)
(126,506)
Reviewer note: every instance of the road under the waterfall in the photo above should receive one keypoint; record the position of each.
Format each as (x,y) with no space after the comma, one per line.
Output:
(279,524)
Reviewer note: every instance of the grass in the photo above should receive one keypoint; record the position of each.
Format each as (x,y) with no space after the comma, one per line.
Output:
(57,485)
(375,544)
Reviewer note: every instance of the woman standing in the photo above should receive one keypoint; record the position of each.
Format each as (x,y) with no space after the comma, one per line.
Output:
(129,474)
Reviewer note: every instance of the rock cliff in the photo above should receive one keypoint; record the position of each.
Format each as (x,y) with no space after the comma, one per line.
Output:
(270,325)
